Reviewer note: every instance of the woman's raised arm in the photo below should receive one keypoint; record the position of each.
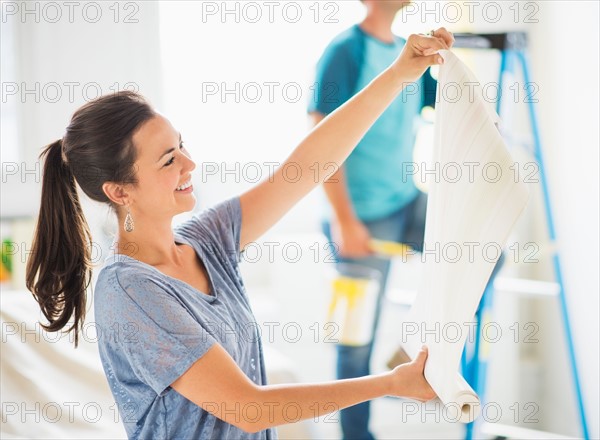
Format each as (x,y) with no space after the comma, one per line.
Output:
(333,139)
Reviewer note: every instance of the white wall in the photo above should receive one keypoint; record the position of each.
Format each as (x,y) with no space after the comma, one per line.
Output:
(98,56)
(216,43)
(98,51)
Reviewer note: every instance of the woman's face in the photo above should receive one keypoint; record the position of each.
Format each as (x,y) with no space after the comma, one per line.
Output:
(163,165)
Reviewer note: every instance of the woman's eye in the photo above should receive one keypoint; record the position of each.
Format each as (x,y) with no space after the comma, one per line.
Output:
(170,161)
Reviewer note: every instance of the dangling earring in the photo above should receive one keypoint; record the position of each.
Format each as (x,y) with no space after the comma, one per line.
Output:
(128,221)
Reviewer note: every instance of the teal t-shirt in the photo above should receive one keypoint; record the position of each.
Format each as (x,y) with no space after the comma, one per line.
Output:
(375,170)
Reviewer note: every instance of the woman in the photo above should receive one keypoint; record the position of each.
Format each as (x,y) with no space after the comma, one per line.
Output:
(177,338)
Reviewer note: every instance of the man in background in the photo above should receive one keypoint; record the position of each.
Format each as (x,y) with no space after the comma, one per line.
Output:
(370,195)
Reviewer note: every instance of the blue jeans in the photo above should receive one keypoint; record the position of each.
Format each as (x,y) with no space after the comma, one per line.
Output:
(406,225)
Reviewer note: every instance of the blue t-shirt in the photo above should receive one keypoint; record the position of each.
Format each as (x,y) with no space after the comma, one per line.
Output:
(152,328)
(375,170)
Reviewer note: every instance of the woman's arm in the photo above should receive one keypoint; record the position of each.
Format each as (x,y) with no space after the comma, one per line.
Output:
(216,384)
(332,140)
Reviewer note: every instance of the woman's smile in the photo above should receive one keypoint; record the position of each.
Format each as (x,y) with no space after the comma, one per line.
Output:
(187,187)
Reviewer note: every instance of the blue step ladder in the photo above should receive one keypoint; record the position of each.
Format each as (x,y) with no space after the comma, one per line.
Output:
(512,47)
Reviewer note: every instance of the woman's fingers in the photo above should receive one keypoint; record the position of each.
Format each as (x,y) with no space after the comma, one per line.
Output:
(422,356)
(427,45)
(445,35)
(432,60)
(421,52)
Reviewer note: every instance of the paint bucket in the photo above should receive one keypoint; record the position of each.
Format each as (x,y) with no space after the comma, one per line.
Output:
(351,315)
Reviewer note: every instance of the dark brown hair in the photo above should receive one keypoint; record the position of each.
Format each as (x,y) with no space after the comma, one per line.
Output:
(97,147)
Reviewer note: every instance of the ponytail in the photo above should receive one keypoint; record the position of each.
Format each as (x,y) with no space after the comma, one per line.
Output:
(97,147)
(59,267)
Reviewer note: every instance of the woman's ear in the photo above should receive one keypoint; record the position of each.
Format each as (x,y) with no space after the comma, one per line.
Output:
(116,193)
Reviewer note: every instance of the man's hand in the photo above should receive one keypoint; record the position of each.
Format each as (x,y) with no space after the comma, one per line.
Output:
(352,237)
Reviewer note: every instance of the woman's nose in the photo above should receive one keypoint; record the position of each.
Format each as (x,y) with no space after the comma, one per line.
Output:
(189,164)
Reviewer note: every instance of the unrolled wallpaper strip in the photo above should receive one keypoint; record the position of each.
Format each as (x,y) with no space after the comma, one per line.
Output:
(471,210)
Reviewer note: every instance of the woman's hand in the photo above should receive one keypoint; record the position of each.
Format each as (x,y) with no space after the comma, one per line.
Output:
(408,379)
(420,52)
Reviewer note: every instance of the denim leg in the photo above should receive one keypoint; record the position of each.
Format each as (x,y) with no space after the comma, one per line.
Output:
(353,361)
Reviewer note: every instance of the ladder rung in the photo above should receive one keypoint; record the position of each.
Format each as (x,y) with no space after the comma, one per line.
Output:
(519,286)
(517,432)
(405,297)
(526,287)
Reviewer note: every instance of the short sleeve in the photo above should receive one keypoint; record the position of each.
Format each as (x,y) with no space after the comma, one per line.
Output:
(150,330)
(429,89)
(217,228)
(335,80)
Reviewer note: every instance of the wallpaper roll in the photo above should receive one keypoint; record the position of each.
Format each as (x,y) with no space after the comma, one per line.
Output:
(474,201)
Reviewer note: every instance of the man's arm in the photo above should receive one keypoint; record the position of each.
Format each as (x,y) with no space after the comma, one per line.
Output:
(348,232)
